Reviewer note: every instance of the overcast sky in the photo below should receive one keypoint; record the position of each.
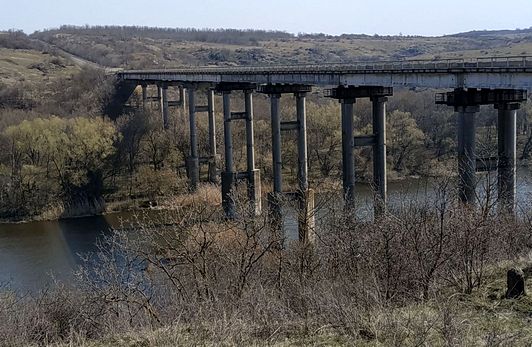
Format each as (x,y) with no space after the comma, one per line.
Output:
(420,17)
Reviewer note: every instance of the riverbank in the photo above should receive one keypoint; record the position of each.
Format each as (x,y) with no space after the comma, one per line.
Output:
(210,194)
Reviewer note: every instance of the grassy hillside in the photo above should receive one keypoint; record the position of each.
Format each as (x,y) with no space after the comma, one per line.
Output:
(134,47)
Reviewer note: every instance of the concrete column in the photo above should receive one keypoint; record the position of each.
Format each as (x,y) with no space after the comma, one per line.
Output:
(250,143)
(348,161)
(164,105)
(212,122)
(306,196)
(466,153)
(254,184)
(144,96)
(274,199)
(159,97)
(182,98)
(302,142)
(507,135)
(193,160)
(228,176)
(276,143)
(379,155)
(213,161)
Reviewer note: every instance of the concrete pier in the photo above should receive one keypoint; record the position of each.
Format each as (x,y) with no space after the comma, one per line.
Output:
(348,145)
(193,159)
(304,195)
(466,128)
(164,105)
(306,220)
(347,97)
(214,158)
(182,98)
(275,100)
(467,103)
(228,175)
(379,155)
(144,96)
(507,158)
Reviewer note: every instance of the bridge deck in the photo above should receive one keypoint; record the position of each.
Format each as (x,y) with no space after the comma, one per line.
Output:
(496,72)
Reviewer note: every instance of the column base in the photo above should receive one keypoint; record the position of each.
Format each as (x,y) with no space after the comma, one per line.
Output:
(228,202)
(255,191)
(193,172)
(214,173)
(306,218)
(276,218)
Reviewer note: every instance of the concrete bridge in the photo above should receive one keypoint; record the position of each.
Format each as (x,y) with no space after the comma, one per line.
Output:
(500,81)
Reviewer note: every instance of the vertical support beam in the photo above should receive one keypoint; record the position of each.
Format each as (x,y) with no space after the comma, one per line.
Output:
(274,198)
(276,143)
(379,155)
(164,105)
(306,196)
(348,161)
(250,145)
(506,174)
(254,184)
(466,127)
(213,162)
(182,98)
(302,172)
(193,160)
(159,97)
(144,96)
(228,176)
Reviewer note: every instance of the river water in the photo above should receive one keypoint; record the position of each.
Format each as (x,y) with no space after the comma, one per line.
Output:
(33,254)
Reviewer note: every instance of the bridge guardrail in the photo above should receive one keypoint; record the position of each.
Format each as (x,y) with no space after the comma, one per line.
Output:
(440,64)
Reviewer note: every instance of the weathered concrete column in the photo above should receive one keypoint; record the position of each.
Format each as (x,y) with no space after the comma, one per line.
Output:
(164,105)
(348,160)
(144,96)
(276,143)
(379,155)
(507,136)
(306,221)
(228,176)
(213,162)
(254,184)
(193,160)
(302,172)
(159,97)
(182,98)
(466,127)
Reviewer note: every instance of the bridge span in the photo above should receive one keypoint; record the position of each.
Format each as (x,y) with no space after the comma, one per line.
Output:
(499,81)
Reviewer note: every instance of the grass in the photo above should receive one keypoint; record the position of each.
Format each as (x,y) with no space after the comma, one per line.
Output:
(33,67)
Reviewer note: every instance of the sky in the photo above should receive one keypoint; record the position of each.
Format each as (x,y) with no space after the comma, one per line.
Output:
(383,17)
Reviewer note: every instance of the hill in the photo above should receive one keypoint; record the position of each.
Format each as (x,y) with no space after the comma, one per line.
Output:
(141,47)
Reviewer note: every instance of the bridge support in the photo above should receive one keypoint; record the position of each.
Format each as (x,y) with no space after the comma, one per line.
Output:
(304,195)
(182,98)
(193,159)
(506,131)
(230,176)
(379,154)
(164,105)
(348,145)
(466,127)
(144,96)
(467,103)
(347,97)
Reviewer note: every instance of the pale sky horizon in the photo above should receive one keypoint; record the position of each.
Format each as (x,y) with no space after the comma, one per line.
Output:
(384,17)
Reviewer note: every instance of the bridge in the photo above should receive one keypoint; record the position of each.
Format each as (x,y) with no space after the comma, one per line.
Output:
(499,81)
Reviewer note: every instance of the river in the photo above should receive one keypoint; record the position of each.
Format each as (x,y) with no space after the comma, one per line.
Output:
(33,254)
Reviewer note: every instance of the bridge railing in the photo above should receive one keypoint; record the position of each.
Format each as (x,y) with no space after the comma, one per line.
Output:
(439,64)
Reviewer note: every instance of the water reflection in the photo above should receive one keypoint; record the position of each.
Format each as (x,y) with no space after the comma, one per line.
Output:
(31,253)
